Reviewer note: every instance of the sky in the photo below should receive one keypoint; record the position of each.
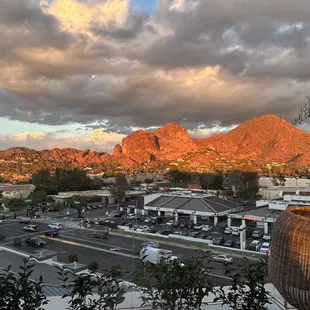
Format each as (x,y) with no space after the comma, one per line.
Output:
(85,73)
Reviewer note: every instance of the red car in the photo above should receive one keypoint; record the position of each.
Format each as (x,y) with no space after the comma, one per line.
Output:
(101,234)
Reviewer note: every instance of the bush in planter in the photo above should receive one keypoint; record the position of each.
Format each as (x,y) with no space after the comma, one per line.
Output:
(93,267)
(17,243)
(73,258)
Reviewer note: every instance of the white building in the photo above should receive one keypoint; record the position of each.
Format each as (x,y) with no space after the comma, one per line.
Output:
(289,182)
(20,191)
(277,192)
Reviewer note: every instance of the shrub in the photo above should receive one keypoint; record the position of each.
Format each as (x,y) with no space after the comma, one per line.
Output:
(93,267)
(17,243)
(2,237)
(73,258)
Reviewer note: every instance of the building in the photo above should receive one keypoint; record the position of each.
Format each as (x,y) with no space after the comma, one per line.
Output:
(289,182)
(103,195)
(187,206)
(278,192)
(21,191)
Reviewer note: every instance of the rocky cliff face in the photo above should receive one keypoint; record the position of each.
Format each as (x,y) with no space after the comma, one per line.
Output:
(266,138)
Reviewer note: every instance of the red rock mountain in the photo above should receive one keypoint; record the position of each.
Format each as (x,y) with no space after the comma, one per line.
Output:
(267,138)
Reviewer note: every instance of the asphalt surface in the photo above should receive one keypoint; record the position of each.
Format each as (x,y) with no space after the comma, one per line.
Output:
(116,250)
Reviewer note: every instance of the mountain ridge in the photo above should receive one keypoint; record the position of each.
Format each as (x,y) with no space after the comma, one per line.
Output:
(267,138)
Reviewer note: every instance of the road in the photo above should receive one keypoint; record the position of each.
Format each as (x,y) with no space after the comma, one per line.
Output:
(116,250)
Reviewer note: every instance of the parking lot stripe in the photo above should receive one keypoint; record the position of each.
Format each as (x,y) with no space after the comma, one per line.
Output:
(61,240)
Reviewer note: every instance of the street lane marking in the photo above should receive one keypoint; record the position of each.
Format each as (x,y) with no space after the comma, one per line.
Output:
(90,247)
(61,240)
(99,243)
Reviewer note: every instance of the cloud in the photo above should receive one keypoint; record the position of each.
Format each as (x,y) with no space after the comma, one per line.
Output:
(102,65)
(97,139)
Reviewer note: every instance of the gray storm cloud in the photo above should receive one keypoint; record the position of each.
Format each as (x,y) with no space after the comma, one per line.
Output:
(204,61)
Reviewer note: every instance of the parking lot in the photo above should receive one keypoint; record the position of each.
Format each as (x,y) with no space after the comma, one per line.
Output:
(203,230)
(116,250)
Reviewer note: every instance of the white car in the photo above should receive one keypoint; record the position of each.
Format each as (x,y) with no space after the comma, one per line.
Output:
(222,259)
(265,248)
(235,232)
(57,226)
(31,228)
(206,227)
(227,230)
(267,238)
(148,220)
(198,227)
(254,245)
(170,223)
(131,216)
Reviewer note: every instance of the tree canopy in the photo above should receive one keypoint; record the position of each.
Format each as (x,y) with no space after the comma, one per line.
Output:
(119,189)
(62,181)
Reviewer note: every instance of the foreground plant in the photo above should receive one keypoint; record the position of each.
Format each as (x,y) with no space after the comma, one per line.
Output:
(247,291)
(174,285)
(92,291)
(19,292)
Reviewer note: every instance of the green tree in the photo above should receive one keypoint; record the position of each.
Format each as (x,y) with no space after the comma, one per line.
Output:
(38,196)
(174,286)
(247,291)
(72,180)
(119,189)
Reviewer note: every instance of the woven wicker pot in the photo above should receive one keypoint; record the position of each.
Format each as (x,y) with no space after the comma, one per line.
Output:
(289,263)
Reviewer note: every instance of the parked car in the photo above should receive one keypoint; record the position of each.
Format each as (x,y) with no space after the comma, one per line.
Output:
(218,241)
(152,231)
(248,233)
(131,216)
(183,225)
(175,224)
(265,248)
(210,238)
(101,234)
(147,220)
(31,228)
(227,230)
(237,245)
(203,235)
(198,226)
(170,223)
(166,232)
(195,234)
(222,259)
(229,243)
(206,228)
(128,225)
(235,232)
(254,246)
(35,242)
(52,233)
(257,234)
(57,226)
(267,238)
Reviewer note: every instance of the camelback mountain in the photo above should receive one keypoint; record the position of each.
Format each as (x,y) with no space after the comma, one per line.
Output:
(267,139)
